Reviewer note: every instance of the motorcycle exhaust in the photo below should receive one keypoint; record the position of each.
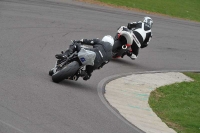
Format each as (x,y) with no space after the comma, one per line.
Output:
(74,78)
(124,47)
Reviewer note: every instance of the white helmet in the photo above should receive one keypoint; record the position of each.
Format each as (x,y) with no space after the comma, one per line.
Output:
(148,21)
(109,39)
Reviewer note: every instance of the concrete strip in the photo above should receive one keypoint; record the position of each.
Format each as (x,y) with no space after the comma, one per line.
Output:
(129,95)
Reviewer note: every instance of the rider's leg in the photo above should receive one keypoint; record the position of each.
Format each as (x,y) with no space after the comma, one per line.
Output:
(135,51)
(88,72)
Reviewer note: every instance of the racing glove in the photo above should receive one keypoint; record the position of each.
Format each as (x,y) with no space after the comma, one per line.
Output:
(131,25)
(80,41)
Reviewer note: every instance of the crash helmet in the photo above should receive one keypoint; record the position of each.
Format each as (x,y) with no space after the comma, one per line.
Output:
(148,21)
(108,38)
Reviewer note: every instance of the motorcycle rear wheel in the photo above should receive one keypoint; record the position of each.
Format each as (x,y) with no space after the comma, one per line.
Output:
(116,49)
(66,72)
(117,45)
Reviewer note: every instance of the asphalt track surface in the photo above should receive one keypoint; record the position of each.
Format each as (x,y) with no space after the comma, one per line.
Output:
(33,31)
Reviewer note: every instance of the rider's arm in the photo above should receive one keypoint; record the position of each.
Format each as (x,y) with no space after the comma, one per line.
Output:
(147,40)
(131,25)
(89,42)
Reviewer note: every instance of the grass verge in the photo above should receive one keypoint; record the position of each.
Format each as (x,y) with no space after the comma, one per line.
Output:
(187,9)
(178,105)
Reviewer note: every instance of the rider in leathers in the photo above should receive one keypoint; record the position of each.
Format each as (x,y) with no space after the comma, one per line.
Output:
(102,48)
(141,36)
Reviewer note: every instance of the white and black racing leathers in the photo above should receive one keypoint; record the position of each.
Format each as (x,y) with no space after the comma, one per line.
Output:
(142,35)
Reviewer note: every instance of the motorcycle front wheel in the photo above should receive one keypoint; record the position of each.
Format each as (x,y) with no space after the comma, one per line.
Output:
(66,72)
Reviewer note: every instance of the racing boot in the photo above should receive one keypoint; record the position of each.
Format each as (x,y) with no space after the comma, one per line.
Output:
(133,56)
(85,75)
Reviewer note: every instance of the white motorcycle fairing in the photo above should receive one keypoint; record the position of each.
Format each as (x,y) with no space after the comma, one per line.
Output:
(86,57)
(127,34)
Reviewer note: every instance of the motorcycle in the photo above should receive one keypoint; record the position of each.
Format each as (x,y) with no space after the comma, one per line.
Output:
(73,66)
(123,42)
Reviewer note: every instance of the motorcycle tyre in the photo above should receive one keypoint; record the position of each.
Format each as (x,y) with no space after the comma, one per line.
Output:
(66,72)
(116,46)
(115,50)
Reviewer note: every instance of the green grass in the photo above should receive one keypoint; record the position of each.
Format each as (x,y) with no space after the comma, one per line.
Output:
(178,105)
(187,9)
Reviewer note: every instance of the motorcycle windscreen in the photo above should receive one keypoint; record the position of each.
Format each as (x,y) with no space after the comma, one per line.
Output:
(86,57)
